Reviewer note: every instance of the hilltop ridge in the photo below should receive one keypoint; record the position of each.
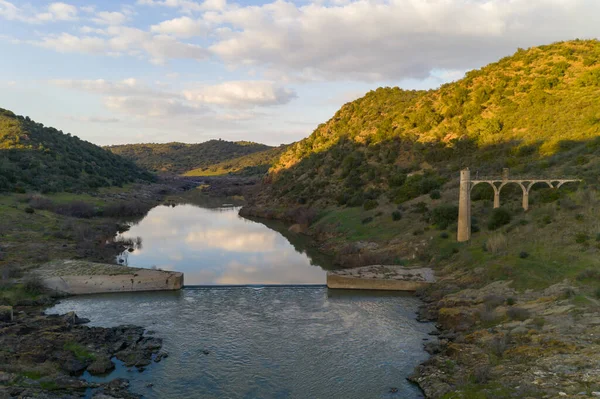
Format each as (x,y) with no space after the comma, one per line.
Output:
(178,157)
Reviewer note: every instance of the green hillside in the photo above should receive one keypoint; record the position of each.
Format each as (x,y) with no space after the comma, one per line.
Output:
(181,157)
(531,111)
(257,163)
(34,157)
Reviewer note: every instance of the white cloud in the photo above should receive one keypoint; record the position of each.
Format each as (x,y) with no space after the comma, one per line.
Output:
(109,18)
(151,107)
(119,40)
(184,5)
(54,12)
(187,6)
(67,43)
(395,39)
(248,93)
(94,119)
(182,27)
(132,97)
(126,87)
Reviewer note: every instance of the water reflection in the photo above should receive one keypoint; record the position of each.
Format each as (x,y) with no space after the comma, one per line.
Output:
(216,246)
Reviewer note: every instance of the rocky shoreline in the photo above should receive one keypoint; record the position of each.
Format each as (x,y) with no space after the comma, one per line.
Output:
(44,356)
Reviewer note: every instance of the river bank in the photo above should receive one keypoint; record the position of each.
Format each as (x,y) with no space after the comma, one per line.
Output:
(517,308)
(43,356)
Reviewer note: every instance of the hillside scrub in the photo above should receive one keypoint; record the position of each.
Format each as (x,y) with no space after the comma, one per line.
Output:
(535,112)
(210,156)
(35,157)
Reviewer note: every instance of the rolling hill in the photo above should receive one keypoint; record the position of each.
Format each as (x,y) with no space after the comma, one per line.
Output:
(536,110)
(34,157)
(257,163)
(181,157)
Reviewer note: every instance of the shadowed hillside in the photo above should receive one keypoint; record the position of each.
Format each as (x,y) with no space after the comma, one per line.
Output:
(181,157)
(530,111)
(34,157)
(254,164)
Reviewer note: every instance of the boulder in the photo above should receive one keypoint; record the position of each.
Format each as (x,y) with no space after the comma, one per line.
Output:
(101,365)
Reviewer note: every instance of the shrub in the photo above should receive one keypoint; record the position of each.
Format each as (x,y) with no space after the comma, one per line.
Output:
(29,210)
(481,374)
(125,209)
(589,274)
(498,345)
(581,238)
(499,218)
(396,215)
(39,202)
(510,301)
(520,314)
(444,215)
(367,220)
(496,243)
(33,284)
(78,209)
(493,301)
(419,207)
(539,321)
(444,235)
(523,255)
(435,194)
(370,204)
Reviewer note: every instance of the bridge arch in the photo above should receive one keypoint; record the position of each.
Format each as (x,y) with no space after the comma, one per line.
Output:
(534,182)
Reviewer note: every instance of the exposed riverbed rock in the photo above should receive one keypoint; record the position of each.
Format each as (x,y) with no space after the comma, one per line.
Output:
(48,354)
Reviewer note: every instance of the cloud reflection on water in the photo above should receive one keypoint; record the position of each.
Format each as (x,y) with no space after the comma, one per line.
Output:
(218,247)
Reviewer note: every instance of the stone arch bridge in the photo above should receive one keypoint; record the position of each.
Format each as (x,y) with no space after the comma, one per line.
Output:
(467,184)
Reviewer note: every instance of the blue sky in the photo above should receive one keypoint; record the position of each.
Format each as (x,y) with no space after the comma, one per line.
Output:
(115,72)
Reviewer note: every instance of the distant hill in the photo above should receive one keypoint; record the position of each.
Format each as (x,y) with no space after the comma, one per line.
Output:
(34,157)
(254,164)
(181,157)
(535,111)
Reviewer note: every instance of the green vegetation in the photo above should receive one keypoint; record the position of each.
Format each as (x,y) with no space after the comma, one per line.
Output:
(211,156)
(257,163)
(535,112)
(34,157)
(80,352)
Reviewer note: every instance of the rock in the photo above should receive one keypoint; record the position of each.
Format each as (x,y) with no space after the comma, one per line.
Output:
(6,313)
(370,246)
(73,319)
(297,228)
(101,365)
(73,366)
(118,384)
(432,348)
(160,355)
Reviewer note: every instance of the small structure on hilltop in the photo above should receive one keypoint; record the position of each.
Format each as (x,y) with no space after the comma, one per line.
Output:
(466,185)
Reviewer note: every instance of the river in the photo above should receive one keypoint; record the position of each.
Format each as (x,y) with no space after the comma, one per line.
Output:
(235,334)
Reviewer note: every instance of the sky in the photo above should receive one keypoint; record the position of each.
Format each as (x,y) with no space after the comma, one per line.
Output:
(116,71)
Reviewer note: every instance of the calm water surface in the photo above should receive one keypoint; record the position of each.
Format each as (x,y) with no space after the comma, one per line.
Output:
(216,246)
(271,342)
